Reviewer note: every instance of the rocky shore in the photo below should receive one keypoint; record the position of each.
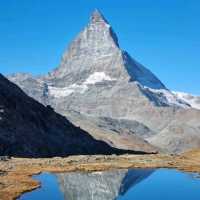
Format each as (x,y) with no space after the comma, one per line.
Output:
(15,173)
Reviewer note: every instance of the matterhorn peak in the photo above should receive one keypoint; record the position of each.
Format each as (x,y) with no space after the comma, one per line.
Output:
(96,51)
(96,44)
(99,27)
(97,16)
(102,89)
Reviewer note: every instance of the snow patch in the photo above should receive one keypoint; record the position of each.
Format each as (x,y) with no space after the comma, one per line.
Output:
(193,100)
(66,91)
(97,77)
(166,96)
(181,99)
(170,97)
(94,78)
(60,92)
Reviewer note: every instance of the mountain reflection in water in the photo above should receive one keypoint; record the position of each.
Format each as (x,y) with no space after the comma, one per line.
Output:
(99,185)
(137,184)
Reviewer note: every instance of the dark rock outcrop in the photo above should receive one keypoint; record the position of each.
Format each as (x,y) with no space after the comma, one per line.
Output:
(29,129)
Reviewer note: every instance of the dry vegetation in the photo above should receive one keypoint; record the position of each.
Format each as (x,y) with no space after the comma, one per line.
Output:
(15,174)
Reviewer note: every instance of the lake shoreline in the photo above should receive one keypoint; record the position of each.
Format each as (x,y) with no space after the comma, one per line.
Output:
(16,173)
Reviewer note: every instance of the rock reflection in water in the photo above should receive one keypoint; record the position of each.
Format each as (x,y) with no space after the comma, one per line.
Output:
(99,185)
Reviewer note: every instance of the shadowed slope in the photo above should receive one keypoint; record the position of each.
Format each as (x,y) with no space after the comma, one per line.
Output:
(29,129)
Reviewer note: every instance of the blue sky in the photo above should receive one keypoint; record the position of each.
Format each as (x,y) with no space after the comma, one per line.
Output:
(162,35)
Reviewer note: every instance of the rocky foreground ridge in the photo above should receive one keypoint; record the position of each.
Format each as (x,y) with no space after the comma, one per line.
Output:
(29,129)
(102,89)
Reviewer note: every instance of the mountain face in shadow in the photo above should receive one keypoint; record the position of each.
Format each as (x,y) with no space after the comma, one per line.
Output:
(100,185)
(29,129)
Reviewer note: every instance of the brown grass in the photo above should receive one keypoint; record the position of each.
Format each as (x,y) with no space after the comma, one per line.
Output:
(15,174)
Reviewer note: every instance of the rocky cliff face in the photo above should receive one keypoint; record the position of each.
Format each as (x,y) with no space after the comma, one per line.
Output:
(96,78)
(100,185)
(27,128)
(120,133)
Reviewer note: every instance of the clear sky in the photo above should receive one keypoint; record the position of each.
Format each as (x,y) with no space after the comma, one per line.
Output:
(164,35)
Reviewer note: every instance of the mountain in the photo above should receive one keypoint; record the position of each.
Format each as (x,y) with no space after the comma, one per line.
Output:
(100,82)
(119,133)
(29,129)
(107,185)
(193,100)
(181,134)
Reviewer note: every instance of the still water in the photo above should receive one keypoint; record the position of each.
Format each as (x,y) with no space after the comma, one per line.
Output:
(136,184)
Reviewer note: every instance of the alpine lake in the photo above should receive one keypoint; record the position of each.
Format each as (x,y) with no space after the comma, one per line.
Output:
(130,184)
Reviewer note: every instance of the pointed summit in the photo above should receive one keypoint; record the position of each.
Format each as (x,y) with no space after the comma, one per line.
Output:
(100,27)
(96,49)
(96,42)
(102,89)
(97,17)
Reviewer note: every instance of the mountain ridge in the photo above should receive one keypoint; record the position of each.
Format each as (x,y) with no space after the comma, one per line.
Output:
(97,78)
(29,129)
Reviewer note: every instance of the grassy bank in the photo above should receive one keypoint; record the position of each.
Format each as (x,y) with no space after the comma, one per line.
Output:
(15,174)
